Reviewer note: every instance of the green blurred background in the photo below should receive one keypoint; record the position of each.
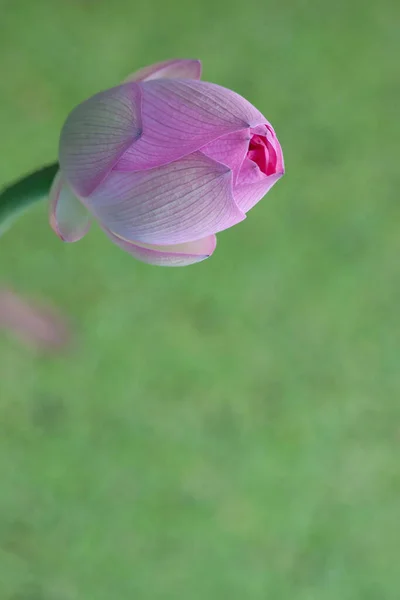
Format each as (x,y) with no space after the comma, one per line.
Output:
(230,430)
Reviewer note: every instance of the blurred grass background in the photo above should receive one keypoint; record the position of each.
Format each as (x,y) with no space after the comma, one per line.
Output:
(232,429)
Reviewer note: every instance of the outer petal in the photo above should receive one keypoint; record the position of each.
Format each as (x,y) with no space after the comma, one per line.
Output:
(169,69)
(179,255)
(248,194)
(179,202)
(68,217)
(97,133)
(230,150)
(181,116)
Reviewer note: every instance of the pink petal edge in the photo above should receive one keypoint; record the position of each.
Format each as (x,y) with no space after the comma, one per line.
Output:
(178,255)
(178,68)
(249,194)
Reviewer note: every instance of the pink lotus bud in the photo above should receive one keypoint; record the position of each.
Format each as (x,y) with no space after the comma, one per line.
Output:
(163,162)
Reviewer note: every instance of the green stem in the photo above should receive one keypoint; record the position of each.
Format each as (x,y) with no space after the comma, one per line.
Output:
(17,197)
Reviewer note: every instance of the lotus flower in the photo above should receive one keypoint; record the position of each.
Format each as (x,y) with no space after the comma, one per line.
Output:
(163,162)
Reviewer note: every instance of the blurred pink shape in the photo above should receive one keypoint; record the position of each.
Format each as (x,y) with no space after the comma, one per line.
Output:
(39,327)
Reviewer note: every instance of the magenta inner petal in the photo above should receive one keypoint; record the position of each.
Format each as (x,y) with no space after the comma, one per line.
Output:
(263,154)
(261,168)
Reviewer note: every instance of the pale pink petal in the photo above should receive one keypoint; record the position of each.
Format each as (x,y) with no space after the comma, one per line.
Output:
(181,116)
(230,150)
(271,136)
(179,202)
(169,69)
(97,133)
(69,219)
(179,255)
(254,187)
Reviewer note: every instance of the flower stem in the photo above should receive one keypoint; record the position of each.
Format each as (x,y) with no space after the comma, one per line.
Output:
(17,197)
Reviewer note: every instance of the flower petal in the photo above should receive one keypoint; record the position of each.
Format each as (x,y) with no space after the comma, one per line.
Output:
(179,255)
(268,131)
(271,136)
(230,150)
(68,217)
(180,116)
(252,183)
(169,69)
(179,202)
(97,133)
(255,187)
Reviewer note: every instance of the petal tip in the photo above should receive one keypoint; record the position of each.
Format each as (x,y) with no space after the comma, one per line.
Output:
(176,68)
(67,217)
